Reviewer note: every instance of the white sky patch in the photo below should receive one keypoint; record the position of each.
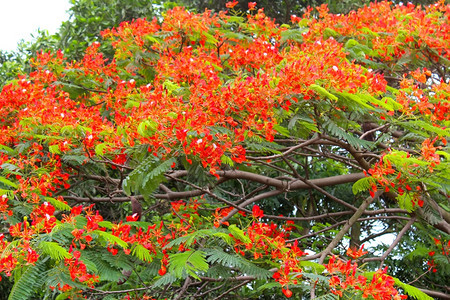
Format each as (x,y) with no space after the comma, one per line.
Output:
(21,18)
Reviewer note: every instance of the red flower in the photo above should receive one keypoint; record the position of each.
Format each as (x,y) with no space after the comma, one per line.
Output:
(134,217)
(231,4)
(257,212)
(353,253)
(162,271)
(287,292)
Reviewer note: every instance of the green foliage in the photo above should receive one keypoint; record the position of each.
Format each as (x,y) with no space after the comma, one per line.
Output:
(165,280)
(111,239)
(412,291)
(108,266)
(191,238)
(405,202)
(147,176)
(142,253)
(54,250)
(7,182)
(87,19)
(336,130)
(27,281)
(188,264)
(294,34)
(232,260)
(238,234)
(362,185)
(58,204)
(360,100)
(322,92)
(330,121)
(328,297)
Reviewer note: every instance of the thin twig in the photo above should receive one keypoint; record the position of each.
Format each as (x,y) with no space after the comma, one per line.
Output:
(184,288)
(395,242)
(232,289)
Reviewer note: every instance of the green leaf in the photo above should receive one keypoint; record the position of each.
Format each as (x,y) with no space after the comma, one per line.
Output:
(423,128)
(317,268)
(328,32)
(9,193)
(91,262)
(362,185)
(336,130)
(54,149)
(188,263)
(303,123)
(268,286)
(235,19)
(370,32)
(54,250)
(295,35)
(239,234)
(322,92)
(64,296)
(329,296)
(405,202)
(100,149)
(58,204)
(263,147)
(281,130)
(168,278)
(217,256)
(419,251)
(226,237)
(235,36)
(8,182)
(146,178)
(187,240)
(6,149)
(142,253)
(111,238)
(147,128)
(226,160)
(25,285)
(210,39)
(170,86)
(387,102)
(359,99)
(105,224)
(316,277)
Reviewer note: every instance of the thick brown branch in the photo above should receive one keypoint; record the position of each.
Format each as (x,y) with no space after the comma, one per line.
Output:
(347,226)
(436,294)
(291,185)
(250,201)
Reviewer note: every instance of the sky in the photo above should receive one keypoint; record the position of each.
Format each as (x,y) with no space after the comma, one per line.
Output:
(21,18)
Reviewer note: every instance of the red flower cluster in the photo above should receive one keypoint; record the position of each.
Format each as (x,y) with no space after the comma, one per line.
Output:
(77,270)
(344,277)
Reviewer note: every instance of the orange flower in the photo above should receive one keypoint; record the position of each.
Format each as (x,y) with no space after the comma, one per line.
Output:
(231,4)
(353,253)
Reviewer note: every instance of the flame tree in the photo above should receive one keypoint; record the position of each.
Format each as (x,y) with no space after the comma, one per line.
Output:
(223,155)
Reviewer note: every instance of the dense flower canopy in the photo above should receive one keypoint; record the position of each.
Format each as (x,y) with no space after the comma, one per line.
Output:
(202,120)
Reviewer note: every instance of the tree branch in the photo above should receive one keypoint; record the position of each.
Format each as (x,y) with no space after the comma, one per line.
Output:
(437,294)
(347,226)
(394,243)
(291,185)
